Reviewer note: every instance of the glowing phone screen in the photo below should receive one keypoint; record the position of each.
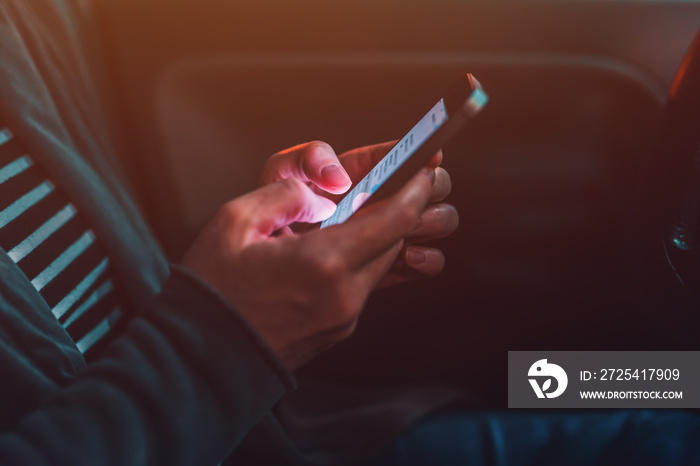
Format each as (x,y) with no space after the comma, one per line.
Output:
(396,157)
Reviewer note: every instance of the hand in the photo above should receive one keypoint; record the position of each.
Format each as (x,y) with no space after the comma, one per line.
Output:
(316,164)
(303,293)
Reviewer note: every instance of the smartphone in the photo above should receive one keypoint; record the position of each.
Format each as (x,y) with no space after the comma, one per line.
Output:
(461,103)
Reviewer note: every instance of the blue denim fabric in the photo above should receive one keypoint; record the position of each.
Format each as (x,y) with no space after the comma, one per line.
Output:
(634,437)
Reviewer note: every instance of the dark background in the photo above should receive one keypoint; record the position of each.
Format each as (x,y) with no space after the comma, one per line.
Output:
(552,181)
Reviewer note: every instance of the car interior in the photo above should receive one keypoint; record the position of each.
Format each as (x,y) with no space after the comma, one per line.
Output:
(559,182)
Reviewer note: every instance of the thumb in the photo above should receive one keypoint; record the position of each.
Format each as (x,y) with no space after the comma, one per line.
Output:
(281,204)
(313,162)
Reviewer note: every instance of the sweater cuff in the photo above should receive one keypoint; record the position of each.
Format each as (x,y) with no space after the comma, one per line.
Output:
(182,279)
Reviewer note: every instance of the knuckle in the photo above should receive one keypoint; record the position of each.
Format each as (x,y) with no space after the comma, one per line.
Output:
(333,267)
(406,217)
(320,146)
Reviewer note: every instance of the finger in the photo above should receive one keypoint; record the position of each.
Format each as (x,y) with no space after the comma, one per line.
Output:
(442,186)
(376,228)
(313,162)
(358,162)
(413,265)
(278,205)
(436,221)
(427,261)
(375,272)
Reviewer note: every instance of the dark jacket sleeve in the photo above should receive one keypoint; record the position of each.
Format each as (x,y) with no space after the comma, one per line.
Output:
(181,386)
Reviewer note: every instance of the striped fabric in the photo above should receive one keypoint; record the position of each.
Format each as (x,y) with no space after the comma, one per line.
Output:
(46,237)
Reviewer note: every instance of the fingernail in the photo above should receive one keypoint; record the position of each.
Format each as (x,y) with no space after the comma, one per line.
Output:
(415,257)
(335,176)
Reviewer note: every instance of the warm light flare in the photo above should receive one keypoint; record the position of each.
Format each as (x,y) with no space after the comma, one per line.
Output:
(679,77)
